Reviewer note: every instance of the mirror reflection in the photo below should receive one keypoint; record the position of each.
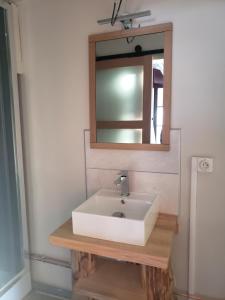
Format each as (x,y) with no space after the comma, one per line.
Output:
(129,89)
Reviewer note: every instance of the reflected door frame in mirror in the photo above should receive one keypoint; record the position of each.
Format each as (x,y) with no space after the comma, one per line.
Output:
(93,39)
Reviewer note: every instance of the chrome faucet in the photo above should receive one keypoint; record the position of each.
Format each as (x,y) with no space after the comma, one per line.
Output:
(123,182)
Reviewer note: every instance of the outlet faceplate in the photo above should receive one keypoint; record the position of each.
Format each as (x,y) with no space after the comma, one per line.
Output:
(205,165)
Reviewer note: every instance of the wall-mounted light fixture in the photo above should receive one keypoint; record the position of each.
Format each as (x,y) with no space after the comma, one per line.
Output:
(126,20)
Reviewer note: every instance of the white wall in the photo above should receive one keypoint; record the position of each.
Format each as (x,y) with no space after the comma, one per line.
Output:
(55,108)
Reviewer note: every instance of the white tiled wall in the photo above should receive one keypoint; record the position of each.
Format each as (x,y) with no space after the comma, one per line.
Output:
(148,171)
(145,161)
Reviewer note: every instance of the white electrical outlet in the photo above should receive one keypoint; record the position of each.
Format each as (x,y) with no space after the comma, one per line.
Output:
(205,165)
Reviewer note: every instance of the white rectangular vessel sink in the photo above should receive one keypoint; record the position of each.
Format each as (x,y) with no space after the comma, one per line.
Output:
(109,216)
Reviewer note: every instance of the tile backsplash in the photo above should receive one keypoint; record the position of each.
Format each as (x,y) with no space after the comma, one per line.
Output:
(135,160)
(148,171)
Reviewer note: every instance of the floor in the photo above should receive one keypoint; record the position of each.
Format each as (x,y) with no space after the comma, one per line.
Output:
(35,296)
(38,296)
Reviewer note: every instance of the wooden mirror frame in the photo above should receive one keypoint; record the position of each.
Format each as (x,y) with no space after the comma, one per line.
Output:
(167,29)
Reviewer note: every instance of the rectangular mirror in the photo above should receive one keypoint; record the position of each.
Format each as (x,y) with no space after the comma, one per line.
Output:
(130,87)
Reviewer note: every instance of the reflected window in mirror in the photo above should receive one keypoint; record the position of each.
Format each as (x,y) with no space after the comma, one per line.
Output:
(157,100)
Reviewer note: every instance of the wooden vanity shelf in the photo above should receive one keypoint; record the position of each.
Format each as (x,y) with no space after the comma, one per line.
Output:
(105,270)
(111,280)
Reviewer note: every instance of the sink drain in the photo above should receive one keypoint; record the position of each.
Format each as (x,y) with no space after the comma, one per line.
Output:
(118,214)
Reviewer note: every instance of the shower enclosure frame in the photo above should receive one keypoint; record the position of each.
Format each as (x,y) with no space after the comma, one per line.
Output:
(20,285)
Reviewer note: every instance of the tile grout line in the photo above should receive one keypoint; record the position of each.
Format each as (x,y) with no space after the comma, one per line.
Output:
(134,171)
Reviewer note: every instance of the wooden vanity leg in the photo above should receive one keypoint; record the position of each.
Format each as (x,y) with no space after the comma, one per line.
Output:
(143,276)
(83,264)
(75,258)
(160,284)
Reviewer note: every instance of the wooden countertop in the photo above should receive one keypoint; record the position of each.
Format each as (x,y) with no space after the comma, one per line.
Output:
(156,253)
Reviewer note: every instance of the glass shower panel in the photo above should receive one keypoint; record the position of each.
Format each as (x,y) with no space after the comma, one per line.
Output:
(11,246)
(119,94)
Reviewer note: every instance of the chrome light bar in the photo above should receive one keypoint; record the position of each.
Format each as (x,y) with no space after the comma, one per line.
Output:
(126,17)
